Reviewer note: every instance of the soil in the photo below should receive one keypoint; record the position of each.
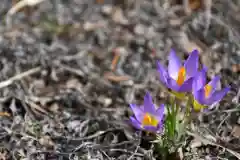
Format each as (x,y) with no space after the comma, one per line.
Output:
(69,69)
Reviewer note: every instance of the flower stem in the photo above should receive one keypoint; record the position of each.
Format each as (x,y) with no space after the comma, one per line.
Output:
(174,113)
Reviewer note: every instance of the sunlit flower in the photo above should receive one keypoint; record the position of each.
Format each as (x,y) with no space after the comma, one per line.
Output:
(179,77)
(206,94)
(147,117)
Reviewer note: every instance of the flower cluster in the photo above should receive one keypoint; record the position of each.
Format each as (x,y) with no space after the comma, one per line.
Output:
(183,80)
(147,117)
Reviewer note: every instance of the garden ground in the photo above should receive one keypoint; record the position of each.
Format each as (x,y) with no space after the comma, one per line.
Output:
(69,69)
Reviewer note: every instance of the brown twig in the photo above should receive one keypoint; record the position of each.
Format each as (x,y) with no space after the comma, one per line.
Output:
(115,78)
(4,114)
(18,6)
(209,142)
(18,77)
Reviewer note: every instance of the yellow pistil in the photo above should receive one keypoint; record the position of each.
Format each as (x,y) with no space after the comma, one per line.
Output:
(181,76)
(179,95)
(149,120)
(197,106)
(207,90)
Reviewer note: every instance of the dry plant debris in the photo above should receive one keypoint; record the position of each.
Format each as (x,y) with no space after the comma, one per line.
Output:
(65,94)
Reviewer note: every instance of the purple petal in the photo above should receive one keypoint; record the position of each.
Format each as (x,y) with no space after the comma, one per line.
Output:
(172,84)
(138,112)
(213,83)
(160,112)
(218,95)
(187,85)
(191,64)
(135,123)
(204,68)
(200,80)
(174,64)
(163,75)
(160,127)
(148,104)
(200,96)
(151,128)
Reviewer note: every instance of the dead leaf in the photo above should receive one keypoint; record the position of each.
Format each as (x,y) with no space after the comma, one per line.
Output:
(54,108)
(37,107)
(91,26)
(195,4)
(100,1)
(192,4)
(236,131)
(236,68)
(112,77)
(119,17)
(5,114)
(46,141)
(196,143)
(4,155)
(107,9)
(73,83)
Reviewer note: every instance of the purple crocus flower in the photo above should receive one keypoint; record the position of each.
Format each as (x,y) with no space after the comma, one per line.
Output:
(179,77)
(147,117)
(206,94)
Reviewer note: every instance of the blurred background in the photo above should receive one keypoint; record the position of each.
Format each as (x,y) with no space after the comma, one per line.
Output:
(70,68)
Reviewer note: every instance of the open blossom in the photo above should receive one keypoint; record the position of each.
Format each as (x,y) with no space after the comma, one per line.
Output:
(147,117)
(206,94)
(179,77)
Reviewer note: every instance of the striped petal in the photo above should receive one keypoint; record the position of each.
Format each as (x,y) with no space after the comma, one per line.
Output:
(163,75)
(199,96)
(213,84)
(172,84)
(157,129)
(135,123)
(149,107)
(218,95)
(191,64)
(187,85)
(137,111)
(200,80)
(151,128)
(160,112)
(174,64)
(160,127)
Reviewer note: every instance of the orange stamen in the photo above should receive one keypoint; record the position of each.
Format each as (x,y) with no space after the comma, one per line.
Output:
(181,76)
(149,120)
(207,90)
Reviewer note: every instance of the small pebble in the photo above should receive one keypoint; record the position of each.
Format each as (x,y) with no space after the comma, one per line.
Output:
(74,125)
(107,9)
(119,17)
(195,144)
(139,29)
